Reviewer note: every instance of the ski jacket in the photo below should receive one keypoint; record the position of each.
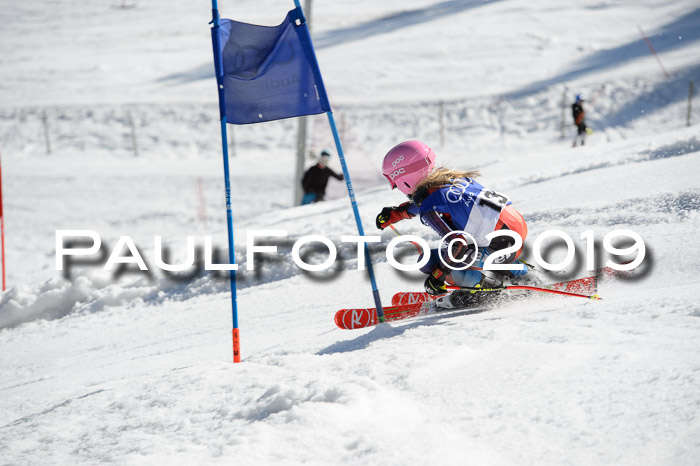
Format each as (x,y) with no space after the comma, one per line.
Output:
(315,180)
(465,206)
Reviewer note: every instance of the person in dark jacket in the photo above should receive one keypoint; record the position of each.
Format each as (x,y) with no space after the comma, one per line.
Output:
(579,115)
(315,179)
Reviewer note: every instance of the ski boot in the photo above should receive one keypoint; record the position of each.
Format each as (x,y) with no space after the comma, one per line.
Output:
(517,277)
(470,298)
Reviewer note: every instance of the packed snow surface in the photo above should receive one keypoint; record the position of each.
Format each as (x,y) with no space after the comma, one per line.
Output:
(109,122)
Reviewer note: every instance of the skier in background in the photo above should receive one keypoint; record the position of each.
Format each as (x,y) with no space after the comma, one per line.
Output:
(579,115)
(315,179)
(450,200)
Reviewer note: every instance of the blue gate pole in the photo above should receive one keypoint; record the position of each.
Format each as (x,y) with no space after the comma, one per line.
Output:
(227,179)
(351,193)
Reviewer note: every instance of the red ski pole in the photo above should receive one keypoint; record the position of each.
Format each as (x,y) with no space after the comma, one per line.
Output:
(420,250)
(529,288)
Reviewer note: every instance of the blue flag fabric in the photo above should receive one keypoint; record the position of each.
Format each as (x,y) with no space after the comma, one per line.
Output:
(267,73)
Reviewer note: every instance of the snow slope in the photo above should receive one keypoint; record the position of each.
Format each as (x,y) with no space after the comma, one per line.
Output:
(136,368)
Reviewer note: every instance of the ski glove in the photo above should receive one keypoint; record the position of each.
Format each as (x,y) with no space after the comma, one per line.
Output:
(391,215)
(435,286)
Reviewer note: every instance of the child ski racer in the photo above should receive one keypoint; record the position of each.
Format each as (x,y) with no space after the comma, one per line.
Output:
(450,201)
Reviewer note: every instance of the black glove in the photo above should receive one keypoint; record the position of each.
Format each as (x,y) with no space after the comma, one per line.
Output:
(391,215)
(384,218)
(434,286)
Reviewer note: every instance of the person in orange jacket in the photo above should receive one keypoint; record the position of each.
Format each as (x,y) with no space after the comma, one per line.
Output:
(579,115)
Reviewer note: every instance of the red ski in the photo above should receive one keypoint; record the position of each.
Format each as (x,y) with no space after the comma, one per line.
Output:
(360,318)
(413,303)
(581,286)
(411,297)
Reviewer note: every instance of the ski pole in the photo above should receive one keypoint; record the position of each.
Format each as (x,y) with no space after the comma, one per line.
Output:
(528,288)
(412,242)
(591,102)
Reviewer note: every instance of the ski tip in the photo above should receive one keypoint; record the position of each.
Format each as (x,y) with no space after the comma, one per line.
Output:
(349,319)
(339,319)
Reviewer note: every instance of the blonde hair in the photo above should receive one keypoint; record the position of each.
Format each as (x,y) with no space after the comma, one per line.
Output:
(442,177)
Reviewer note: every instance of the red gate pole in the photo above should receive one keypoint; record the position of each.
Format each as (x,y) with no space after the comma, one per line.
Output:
(651,47)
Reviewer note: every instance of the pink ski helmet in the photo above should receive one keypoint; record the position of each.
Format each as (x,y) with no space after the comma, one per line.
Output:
(407,164)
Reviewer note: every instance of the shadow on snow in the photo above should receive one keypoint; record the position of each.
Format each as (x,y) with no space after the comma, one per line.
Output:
(386,330)
(661,95)
(679,33)
(395,21)
(383,25)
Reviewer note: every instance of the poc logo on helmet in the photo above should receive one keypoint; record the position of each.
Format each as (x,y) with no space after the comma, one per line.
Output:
(396,162)
(397,173)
